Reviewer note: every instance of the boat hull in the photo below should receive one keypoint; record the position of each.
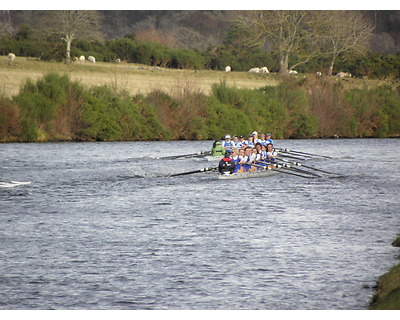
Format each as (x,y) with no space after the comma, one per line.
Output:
(213,158)
(246,175)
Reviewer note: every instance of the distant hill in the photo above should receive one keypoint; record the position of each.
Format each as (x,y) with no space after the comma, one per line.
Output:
(195,29)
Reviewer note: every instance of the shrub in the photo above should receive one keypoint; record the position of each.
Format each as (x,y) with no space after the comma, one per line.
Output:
(10,120)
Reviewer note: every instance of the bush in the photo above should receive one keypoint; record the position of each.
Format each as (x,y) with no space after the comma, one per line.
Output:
(10,120)
(107,116)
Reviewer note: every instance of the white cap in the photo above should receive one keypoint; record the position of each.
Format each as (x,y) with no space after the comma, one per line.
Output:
(227,136)
(255,132)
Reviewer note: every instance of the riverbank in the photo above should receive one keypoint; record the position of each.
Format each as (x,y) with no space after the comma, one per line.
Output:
(171,105)
(387,295)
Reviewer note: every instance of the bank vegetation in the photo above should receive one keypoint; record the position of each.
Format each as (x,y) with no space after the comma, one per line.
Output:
(55,107)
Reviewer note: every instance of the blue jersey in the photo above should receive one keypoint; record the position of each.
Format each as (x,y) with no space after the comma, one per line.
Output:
(228,145)
(239,144)
(245,165)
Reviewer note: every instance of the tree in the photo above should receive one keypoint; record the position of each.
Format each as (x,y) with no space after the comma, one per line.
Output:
(287,30)
(5,23)
(339,32)
(71,25)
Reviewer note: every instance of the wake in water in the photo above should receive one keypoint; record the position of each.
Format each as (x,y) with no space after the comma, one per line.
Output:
(12,184)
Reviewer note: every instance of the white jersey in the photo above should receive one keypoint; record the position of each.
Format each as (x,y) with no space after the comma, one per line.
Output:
(239,144)
(228,144)
(271,154)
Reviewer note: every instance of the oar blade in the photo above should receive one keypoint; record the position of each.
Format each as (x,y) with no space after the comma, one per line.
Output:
(192,172)
(197,154)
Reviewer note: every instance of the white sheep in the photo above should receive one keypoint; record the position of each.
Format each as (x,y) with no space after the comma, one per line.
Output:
(228,69)
(11,58)
(292,72)
(318,74)
(82,59)
(264,70)
(118,60)
(342,74)
(254,70)
(91,59)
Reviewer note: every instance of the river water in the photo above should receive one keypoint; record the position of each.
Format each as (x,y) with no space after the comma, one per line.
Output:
(102,226)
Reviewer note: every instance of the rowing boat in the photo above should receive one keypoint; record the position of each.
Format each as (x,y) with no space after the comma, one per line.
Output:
(245,175)
(213,158)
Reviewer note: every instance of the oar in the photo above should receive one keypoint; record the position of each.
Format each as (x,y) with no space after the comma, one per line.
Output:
(302,165)
(190,172)
(304,153)
(288,167)
(202,153)
(284,154)
(280,170)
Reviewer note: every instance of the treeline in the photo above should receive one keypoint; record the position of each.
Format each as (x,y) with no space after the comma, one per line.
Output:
(29,44)
(56,108)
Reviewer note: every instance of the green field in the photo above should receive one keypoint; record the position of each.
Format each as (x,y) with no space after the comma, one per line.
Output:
(133,78)
(137,78)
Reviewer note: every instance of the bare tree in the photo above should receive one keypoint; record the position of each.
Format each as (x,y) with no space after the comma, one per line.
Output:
(5,23)
(340,32)
(287,30)
(71,25)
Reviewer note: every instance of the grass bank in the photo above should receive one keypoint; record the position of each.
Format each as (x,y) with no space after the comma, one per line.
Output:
(387,295)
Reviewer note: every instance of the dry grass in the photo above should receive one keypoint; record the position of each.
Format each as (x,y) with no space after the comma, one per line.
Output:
(133,78)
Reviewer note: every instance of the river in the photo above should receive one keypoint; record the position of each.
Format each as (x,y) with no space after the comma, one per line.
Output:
(102,226)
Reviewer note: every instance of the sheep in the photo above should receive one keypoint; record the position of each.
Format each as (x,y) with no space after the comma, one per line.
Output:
(264,70)
(228,69)
(82,59)
(11,58)
(292,72)
(254,70)
(118,60)
(91,59)
(318,74)
(343,74)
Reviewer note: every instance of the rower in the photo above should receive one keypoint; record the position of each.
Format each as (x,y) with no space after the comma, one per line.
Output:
(228,144)
(255,136)
(271,153)
(238,144)
(250,141)
(241,143)
(247,159)
(236,158)
(262,140)
(268,138)
(227,165)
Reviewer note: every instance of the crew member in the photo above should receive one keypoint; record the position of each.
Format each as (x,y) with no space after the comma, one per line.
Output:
(227,165)
(217,149)
(228,144)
